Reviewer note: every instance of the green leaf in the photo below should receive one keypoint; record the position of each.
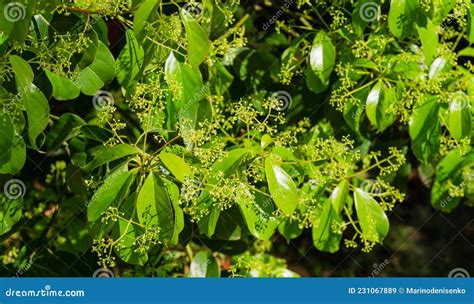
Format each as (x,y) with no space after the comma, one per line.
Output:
(339,196)
(372,219)
(187,98)
(154,206)
(10,213)
(144,15)
(128,232)
(257,212)
(290,229)
(378,104)
(449,169)
(401,16)
(424,128)
(471,24)
(107,154)
(204,265)
(177,166)
(282,188)
(112,191)
(322,56)
(102,70)
(37,112)
(197,38)
(324,238)
(64,129)
(313,82)
(6,137)
(17,157)
(429,41)
(23,73)
(63,88)
(227,166)
(459,116)
(173,192)
(130,61)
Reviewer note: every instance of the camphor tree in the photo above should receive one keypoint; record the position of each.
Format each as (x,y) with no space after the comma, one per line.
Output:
(171,138)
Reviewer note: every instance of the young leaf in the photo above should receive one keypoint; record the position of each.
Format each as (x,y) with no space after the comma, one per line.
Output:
(204,265)
(177,166)
(323,56)
(324,238)
(282,188)
(459,116)
(196,36)
(372,219)
(113,191)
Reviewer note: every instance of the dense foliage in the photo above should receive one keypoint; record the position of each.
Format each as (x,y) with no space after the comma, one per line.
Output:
(161,138)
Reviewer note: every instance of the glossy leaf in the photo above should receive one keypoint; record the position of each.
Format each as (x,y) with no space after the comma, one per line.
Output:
(339,196)
(322,56)
(459,116)
(372,219)
(282,188)
(378,104)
